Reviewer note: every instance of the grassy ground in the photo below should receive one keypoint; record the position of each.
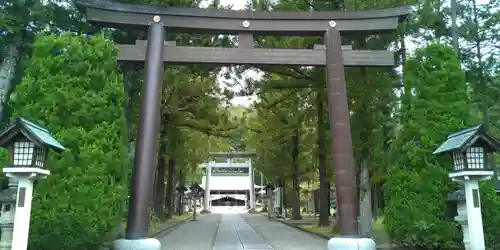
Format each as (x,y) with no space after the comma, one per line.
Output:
(156,225)
(379,233)
(327,231)
(309,222)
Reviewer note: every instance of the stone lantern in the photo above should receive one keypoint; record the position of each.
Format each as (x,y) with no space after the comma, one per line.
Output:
(181,189)
(8,211)
(195,192)
(470,148)
(457,199)
(29,145)
(269,195)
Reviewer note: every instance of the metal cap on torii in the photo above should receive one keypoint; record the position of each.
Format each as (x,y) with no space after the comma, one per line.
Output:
(233,154)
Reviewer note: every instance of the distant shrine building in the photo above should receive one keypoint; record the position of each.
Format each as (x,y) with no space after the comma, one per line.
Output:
(228,180)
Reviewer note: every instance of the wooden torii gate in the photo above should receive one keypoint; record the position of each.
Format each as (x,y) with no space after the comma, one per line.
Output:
(246,24)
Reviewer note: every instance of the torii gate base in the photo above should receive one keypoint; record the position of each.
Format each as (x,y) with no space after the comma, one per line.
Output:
(139,244)
(351,244)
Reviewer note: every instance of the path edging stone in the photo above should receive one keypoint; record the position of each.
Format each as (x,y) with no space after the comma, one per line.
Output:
(380,247)
(162,232)
(305,230)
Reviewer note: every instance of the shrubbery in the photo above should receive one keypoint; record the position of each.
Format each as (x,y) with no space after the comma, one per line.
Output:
(490,208)
(417,183)
(416,210)
(72,87)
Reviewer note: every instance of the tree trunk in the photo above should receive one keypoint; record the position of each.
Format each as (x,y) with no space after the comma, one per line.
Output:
(180,195)
(7,73)
(283,199)
(180,209)
(365,187)
(365,201)
(375,200)
(485,99)
(296,177)
(170,187)
(159,201)
(174,196)
(128,80)
(324,184)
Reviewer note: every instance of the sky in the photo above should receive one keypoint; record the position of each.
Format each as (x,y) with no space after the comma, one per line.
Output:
(240,101)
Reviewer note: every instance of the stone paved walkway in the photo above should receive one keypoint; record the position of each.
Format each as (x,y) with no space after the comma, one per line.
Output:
(193,235)
(239,232)
(284,237)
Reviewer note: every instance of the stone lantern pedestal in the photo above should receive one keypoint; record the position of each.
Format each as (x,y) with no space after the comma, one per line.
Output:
(462,220)
(8,211)
(458,198)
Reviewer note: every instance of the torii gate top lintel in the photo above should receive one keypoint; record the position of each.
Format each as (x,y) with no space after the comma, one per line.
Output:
(232,155)
(113,14)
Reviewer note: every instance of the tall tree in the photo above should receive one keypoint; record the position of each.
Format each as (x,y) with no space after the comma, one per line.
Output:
(20,21)
(82,105)
(417,184)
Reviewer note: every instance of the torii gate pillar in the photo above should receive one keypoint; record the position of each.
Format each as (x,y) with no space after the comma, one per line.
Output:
(252,185)
(149,121)
(207,196)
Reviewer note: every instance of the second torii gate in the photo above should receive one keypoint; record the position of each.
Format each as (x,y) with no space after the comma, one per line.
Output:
(246,24)
(229,163)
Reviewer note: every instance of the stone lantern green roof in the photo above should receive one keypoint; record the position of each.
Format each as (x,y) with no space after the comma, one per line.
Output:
(33,132)
(463,139)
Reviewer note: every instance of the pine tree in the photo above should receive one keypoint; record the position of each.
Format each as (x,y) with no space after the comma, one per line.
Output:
(417,183)
(72,87)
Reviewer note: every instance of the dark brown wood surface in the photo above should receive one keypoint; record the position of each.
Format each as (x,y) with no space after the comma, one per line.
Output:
(303,57)
(110,14)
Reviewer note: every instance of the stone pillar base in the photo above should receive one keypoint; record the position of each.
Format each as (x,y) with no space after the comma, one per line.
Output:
(351,244)
(5,246)
(140,244)
(252,211)
(204,211)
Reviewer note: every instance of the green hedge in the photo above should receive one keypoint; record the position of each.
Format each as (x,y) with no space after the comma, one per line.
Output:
(490,208)
(417,183)
(72,87)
